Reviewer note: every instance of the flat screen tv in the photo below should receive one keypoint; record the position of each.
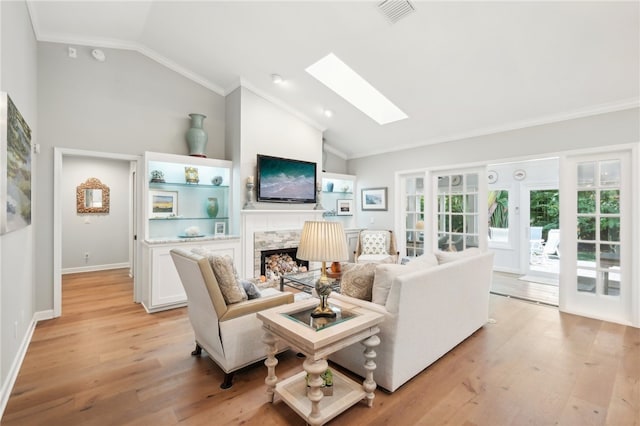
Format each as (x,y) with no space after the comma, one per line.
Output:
(283,180)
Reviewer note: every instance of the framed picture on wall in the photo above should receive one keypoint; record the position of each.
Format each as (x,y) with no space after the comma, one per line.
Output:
(374,199)
(344,207)
(219,228)
(163,204)
(15,167)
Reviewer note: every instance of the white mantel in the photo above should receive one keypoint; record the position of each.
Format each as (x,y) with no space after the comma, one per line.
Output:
(253,221)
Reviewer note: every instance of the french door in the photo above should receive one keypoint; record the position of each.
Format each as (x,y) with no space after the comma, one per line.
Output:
(458,202)
(596,213)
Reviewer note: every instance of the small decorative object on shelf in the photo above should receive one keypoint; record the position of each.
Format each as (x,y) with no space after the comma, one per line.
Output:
(192,231)
(197,136)
(217,181)
(318,197)
(250,204)
(157,176)
(329,186)
(212,207)
(191,175)
(327,382)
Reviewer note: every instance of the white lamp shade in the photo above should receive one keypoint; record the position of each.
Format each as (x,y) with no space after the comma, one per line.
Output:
(323,242)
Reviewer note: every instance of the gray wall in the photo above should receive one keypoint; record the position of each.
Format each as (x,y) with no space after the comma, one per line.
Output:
(613,128)
(126,105)
(18,77)
(104,236)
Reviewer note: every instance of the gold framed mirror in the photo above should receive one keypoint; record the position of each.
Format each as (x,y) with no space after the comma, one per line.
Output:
(92,196)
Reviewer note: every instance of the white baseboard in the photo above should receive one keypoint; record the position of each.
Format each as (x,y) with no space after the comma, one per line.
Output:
(506,270)
(94,268)
(43,315)
(12,375)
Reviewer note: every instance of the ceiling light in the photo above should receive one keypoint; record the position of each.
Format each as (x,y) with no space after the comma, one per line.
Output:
(328,113)
(277,79)
(337,76)
(98,55)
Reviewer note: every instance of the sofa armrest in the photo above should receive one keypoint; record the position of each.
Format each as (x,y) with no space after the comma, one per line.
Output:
(256,305)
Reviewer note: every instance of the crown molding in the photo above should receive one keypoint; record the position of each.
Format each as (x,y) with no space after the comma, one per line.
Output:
(335,151)
(620,105)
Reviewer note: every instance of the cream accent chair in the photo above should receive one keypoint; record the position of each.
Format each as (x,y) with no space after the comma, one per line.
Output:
(230,334)
(376,246)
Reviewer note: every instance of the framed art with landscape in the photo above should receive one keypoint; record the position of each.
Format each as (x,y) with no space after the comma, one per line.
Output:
(374,199)
(163,204)
(15,166)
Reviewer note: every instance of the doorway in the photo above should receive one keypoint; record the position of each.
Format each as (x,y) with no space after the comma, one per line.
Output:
(62,193)
(542,246)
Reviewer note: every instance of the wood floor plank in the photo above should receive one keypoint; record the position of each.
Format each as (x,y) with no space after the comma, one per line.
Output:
(107,362)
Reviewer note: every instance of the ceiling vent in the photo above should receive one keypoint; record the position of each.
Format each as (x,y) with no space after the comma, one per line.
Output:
(394,10)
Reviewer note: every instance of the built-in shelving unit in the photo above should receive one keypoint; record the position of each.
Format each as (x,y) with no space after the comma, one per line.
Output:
(338,199)
(178,193)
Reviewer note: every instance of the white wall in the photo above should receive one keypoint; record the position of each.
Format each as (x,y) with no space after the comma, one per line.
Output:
(268,129)
(126,105)
(104,236)
(621,127)
(18,72)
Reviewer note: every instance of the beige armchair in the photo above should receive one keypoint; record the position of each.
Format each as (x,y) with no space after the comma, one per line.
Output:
(376,246)
(230,334)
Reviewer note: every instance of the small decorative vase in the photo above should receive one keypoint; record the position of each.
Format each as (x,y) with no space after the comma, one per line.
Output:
(212,207)
(197,136)
(330,187)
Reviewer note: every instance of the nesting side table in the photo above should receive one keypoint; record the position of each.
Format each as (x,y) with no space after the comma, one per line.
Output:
(316,339)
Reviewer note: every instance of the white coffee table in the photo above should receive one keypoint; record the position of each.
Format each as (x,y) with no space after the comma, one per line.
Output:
(356,325)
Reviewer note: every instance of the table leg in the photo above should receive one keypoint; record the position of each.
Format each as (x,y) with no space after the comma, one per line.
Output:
(369,384)
(270,340)
(315,394)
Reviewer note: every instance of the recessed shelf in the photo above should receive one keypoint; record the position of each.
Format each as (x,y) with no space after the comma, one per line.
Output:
(185,185)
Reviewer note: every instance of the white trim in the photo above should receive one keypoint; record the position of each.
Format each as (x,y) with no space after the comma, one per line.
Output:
(43,315)
(12,374)
(620,105)
(94,268)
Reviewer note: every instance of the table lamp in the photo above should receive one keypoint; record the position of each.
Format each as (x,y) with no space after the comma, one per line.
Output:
(323,242)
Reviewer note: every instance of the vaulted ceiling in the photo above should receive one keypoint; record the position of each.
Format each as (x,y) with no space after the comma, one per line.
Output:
(457,69)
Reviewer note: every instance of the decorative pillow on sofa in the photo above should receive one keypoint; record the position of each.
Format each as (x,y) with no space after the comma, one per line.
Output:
(357,280)
(223,269)
(452,256)
(252,290)
(374,243)
(386,272)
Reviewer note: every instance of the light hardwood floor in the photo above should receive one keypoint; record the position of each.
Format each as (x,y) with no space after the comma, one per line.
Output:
(107,362)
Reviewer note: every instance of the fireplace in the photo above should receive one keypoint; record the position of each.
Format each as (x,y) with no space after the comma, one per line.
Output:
(282,261)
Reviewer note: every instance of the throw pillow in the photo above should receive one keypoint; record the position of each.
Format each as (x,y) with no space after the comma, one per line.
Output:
(231,289)
(374,243)
(384,274)
(357,281)
(452,256)
(252,290)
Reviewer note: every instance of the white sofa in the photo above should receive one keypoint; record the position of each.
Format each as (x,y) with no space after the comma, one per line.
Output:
(431,307)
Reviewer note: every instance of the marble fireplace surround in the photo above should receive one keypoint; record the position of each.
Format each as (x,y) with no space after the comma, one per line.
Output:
(270,230)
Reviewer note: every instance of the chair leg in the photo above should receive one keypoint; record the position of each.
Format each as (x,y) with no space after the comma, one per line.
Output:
(228,381)
(197,351)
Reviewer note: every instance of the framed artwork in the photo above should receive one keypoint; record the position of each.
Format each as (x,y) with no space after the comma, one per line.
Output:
(374,199)
(15,166)
(219,228)
(163,204)
(344,207)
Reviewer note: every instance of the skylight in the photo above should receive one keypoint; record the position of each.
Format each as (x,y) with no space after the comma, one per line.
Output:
(337,76)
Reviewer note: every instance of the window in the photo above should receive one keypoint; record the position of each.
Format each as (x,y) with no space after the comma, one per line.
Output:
(414,215)
(457,210)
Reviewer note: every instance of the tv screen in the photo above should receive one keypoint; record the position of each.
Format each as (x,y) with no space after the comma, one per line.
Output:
(283,180)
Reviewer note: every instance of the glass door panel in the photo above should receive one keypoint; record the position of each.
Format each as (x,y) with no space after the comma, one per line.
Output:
(597,280)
